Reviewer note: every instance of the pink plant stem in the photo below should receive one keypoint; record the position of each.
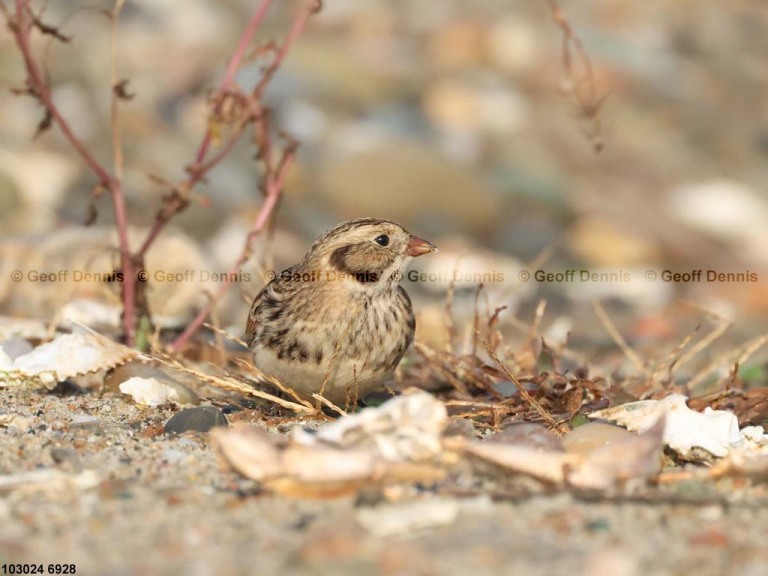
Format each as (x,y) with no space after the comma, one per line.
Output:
(296,29)
(42,91)
(235,62)
(234,65)
(274,190)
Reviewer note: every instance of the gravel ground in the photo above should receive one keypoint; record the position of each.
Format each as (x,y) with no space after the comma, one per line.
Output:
(121,497)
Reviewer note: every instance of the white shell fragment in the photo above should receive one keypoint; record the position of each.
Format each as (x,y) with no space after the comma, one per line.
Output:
(6,362)
(65,356)
(405,428)
(22,328)
(149,391)
(714,431)
(387,443)
(408,517)
(263,456)
(401,441)
(50,482)
(293,469)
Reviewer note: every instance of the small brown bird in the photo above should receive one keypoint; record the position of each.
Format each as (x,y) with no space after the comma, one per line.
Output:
(340,315)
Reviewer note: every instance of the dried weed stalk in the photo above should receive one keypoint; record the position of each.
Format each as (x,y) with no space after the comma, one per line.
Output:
(579,80)
(231,105)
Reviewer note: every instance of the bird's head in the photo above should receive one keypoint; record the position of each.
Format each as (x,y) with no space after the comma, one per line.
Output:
(367,251)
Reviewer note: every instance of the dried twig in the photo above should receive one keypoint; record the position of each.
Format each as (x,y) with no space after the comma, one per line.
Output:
(225,334)
(21,24)
(610,327)
(720,328)
(438,361)
(450,327)
(117,143)
(227,383)
(584,89)
(728,358)
(274,189)
(325,402)
(554,425)
(252,111)
(533,331)
(22,21)
(262,377)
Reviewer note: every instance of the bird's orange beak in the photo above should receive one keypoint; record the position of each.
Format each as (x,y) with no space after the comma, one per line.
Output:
(417,246)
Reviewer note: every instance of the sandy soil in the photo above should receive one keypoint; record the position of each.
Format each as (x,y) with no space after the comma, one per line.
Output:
(113,494)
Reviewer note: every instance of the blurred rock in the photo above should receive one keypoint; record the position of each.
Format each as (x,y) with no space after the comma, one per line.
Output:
(405,181)
(148,391)
(725,209)
(40,180)
(73,264)
(491,108)
(460,427)
(457,45)
(16,347)
(329,68)
(513,45)
(10,200)
(465,266)
(593,436)
(601,242)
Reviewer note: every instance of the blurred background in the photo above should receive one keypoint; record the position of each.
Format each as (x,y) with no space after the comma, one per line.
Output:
(456,119)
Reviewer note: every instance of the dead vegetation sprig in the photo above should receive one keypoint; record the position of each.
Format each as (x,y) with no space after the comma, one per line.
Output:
(557,427)
(23,18)
(610,327)
(553,384)
(736,356)
(657,375)
(579,78)
(234,385)
(475,374)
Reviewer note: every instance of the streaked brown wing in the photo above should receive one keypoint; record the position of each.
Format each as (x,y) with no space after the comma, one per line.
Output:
(271,296)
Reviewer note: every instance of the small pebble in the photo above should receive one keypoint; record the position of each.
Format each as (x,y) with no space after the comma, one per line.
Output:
(83,420)
(197,419)
(595,435)
(67,456)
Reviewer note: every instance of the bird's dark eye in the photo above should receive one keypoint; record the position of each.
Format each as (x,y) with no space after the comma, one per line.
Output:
(382,240)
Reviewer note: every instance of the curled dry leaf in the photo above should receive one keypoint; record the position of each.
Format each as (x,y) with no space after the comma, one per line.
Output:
(688,432)
(622,463)
(545,466)
(66,356)
(743,462)
(618,465)
(405,428)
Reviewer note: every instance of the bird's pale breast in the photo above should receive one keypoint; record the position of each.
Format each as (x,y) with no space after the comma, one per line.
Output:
(353,343)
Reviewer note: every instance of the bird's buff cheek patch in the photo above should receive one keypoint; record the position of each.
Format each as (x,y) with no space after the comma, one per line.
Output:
(328,276)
